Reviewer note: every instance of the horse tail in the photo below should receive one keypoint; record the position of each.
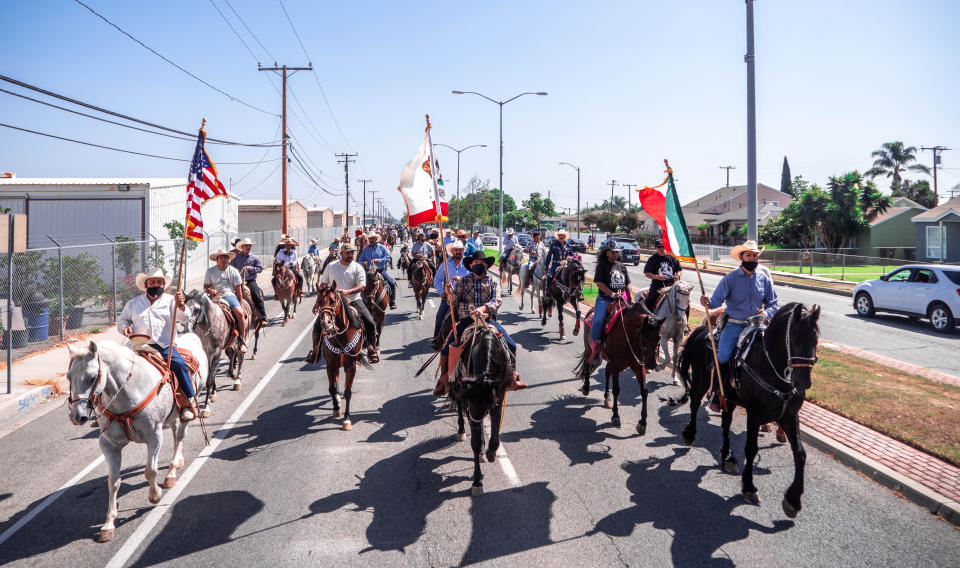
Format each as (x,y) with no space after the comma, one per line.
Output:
(688,351)
(584,368)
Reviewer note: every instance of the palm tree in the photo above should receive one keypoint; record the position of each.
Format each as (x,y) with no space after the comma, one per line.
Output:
(893,158)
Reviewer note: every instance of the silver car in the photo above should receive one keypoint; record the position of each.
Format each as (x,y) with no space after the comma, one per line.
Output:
(916,290)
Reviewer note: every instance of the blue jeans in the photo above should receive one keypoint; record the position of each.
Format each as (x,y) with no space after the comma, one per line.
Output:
(463,324)
(232,301)
(180,370)
(442,312)
(599,314)
(390,282)
(728,340)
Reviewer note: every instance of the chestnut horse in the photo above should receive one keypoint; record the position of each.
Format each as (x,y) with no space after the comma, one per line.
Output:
(421,277)
(285,289)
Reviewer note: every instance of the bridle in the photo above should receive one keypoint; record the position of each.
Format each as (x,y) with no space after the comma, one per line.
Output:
(793,361)
(331,312)
(101,383)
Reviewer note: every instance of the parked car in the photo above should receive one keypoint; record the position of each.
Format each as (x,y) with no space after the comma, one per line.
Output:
(929,291)
(578,245)
(523,238)
(629,253)
(490,240)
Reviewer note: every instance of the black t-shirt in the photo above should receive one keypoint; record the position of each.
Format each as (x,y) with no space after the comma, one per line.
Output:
(614,276)
(665,265)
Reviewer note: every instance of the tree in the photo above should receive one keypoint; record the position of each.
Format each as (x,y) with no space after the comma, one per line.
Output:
(892,159)
(617,205)
(798,186)
(918,191)
(607,221)
(538,207)
(854,203)
(629,221)
(786,184)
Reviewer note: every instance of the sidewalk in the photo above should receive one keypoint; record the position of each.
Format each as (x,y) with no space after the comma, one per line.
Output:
(923,479)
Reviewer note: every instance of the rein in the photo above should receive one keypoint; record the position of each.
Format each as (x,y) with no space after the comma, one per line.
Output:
(339,308)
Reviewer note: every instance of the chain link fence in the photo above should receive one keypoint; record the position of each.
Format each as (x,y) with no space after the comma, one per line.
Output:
(68,290)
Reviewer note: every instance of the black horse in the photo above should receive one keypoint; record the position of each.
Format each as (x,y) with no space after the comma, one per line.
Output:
(485,370)
(565,287)
(770,384)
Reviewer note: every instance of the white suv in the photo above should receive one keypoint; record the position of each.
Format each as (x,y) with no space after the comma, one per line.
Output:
(916,290)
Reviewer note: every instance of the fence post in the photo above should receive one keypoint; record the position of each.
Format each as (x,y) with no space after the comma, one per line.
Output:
(60,278)
(112,313)
(843,266)
(9,330)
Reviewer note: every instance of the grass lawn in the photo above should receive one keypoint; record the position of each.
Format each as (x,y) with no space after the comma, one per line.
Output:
(914,410)
(857,273)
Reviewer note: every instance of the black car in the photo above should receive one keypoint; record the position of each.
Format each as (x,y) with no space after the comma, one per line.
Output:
(629,253)
(578,245)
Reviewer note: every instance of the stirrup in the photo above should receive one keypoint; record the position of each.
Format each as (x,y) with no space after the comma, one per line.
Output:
(188,413)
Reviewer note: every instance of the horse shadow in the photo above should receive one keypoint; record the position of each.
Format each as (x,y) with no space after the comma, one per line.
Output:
(75,516)
(509,521)
(200,522)
(700,521)
(531,339)
(564,421)
(280,424)
(409,350)
(401,491)
(403,413)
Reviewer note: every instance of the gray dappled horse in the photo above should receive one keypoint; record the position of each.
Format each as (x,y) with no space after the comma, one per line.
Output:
(108,377)
(532,278)
(675,300)
(511,266)
(208,321)
(309,267)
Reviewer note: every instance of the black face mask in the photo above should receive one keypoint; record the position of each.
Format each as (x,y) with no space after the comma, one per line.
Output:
(479,269)
(155,291)
(749,265)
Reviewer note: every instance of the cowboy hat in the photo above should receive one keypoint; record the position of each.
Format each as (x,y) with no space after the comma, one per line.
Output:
(371,235)
(154,272)
(454,245)
(245,242)
(562,232)
(460,233)
(347,247)
(479,255)
(313,241)
(748,246)
(222,252)
(285,240)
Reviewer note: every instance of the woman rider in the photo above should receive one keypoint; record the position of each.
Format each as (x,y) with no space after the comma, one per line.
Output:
(612,280)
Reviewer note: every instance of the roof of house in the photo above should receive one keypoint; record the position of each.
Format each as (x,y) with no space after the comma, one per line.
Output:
(723,194)
(939,212)
(893,212)
(905,202)
(151,182)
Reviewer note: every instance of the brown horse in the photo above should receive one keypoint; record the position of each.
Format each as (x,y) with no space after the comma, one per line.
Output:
(256,321)
(564,288)
(421,277)
(285,289)
(376,299)
(632,343)
(338,335)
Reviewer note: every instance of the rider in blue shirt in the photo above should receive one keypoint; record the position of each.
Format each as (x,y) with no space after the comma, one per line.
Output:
(455,267)
(375,254)
(312,249)
(560,250)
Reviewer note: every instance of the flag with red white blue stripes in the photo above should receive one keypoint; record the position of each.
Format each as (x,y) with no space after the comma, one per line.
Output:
(202,184)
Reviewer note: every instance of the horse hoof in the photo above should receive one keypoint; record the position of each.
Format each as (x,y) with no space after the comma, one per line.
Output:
(205,412)
(730,465)
(421,316)
(562,337)
(491,457)
(154,500)
(336,413)
(781,436)
(751,497)
(462,437)
(169,482)
(641,429)
(179,463)
(676,381)
(476,490)
(253,357)
(106,535)
(483,458)
(687,439)
(236,385)
(213,398)
(616,421)
(284,324)
(347,425)
(789,510)
(576,331)
(585,390)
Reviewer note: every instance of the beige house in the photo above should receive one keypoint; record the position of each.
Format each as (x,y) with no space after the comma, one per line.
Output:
(319,217)
(264,215)
(725,209)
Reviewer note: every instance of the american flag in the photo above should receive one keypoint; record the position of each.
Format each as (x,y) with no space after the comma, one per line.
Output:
(202,184)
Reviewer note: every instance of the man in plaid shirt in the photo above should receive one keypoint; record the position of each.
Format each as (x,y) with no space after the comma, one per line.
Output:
(477,292)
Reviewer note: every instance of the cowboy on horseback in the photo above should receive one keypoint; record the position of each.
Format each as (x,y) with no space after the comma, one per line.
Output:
(376,255)
(612,279)
(663,269)
(508,243)
(249,266)
(351,279)
(560,250)
(536,249)
(312,250)
(422,249)
(152,313)
(476,294)
(223,282)
(288,256)
(456,269)
(745,292)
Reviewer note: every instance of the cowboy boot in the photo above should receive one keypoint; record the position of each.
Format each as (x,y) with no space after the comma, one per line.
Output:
(715,401)
(594,351)
(443,384)
(516,384)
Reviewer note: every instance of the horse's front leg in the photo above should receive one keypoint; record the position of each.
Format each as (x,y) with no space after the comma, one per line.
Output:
(350,371)
(563,334)
(727,458)
(333,373)
(178,432)
(616,397)
(642,379)
(112,456)
(151,470)
(496,416)
(476,443)
(576,310)
(791,499)
(461,433)
(749,491)
(607,401)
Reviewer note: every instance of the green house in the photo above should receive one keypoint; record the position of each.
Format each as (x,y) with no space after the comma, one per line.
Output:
(892,235)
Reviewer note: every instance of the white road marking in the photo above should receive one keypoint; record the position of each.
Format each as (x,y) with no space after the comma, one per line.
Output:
(432,305)
(49,500)
(154,516)
(505,464)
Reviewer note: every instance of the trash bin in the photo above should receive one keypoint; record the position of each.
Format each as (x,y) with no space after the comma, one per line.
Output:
(36,312)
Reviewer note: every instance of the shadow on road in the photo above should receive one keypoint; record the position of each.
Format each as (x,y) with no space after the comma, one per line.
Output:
(509,521)
(403,413)
(284,423)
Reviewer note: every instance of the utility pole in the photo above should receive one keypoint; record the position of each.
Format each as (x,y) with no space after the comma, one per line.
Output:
(728,168)
(373,202)
(750,59)
(346,161)
(283,165)
(613,183)
(363,218)
(379,210)
(936,164)
(629,186)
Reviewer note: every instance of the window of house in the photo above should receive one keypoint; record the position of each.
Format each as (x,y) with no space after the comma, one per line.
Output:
(935,240)
(775,203)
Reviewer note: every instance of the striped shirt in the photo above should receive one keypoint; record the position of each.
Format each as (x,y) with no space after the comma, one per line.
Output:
(474,291)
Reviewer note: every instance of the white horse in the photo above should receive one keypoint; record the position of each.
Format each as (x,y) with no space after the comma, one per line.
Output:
(673,309)
(109,378)
(534,279)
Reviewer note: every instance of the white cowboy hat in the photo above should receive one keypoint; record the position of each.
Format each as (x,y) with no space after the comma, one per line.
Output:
(454,245)
(245,242)
(372,235)
(313,241)
(288,240)
(154,272)
(562,232)
(749,246)
(222,252)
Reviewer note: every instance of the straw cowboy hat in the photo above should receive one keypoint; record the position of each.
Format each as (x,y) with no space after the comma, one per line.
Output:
(454,245)
(460,233)
(562,232)
(153,272)
(245,242)
(372,236)
(222,252)
(749,246)
(347,247)
(313,241)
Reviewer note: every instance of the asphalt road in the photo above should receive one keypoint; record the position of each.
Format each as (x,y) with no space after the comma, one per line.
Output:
(890,335)
(287,486)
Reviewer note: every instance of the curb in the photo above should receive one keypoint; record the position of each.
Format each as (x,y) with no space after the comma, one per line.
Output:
(21,406)
(790,284)
(906,487)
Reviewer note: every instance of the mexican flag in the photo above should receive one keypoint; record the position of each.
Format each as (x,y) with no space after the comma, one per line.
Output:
(423,194)
(664,206)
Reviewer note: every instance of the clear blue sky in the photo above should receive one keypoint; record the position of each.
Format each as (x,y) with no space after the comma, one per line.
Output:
(630,83)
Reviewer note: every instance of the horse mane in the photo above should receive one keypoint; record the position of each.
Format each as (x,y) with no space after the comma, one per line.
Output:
(491,367)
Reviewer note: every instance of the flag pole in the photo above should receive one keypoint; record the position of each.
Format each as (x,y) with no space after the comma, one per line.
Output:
(439,212)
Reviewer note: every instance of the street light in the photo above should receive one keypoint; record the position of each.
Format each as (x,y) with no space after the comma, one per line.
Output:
(458,166)
(500,104)
(578,193)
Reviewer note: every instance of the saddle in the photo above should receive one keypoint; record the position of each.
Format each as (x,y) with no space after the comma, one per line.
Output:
(613,312)
(232,320)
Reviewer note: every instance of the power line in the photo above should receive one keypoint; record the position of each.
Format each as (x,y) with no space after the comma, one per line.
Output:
(121,149)
(153,51)
(265,152)
(253,35)
(229,25)
(270,175)
(124,116)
